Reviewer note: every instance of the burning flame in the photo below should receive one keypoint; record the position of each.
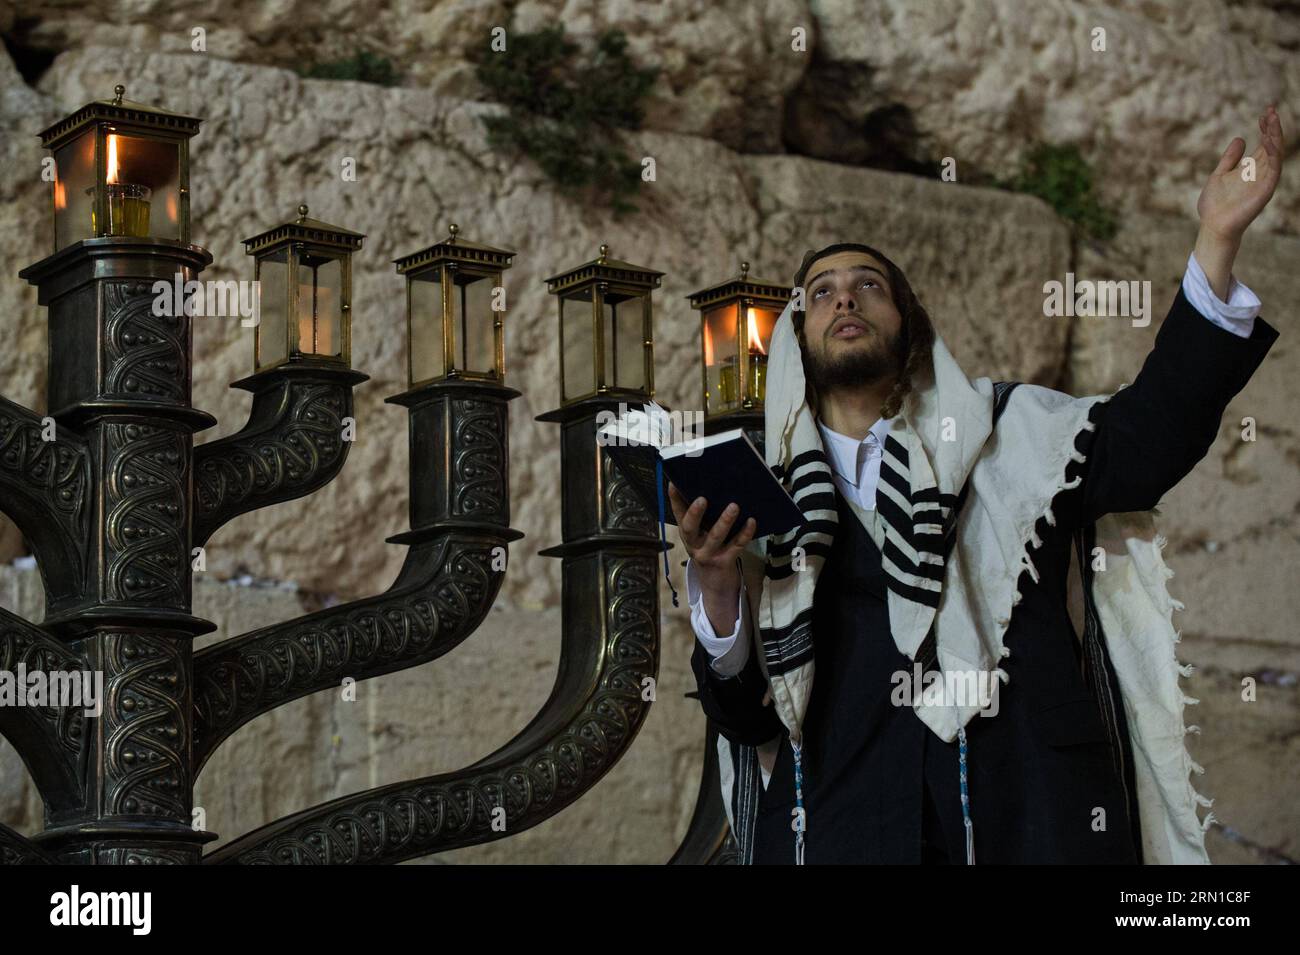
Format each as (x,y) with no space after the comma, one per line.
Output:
(755,343)
(708,346)
(60,193)
(112,159)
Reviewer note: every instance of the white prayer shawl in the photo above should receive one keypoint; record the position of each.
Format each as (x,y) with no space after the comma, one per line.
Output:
(968,596)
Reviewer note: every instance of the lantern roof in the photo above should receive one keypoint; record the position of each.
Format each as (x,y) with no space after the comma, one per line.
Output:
(304,229)
(455,249)
(604,269)
(741,287)
(123,112)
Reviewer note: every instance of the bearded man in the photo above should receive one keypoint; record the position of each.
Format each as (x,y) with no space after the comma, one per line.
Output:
(940,518)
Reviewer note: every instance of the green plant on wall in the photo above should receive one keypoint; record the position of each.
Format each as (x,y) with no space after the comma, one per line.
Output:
(566,108)
(362,66)
(1062,177)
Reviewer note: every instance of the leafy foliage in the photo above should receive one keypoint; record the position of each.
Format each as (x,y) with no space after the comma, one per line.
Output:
(1062,177)
(566,107)
(362,66)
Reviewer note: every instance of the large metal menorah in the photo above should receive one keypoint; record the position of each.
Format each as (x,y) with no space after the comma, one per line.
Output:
(116,501)
(114,505)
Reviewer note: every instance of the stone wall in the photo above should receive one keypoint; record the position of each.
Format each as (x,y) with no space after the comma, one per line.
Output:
(978,84)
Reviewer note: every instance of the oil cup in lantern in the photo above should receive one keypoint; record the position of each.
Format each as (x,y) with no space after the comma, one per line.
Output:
(606,329)
(455,328)
(736,322)
(304,273)
(121,169)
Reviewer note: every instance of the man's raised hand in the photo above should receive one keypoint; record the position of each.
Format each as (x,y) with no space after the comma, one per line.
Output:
(1236,193)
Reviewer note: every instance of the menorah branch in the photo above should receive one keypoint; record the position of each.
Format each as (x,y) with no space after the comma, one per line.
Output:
(444,590)
(17,849)
(293,444)
(45,489)
(50,739)
(610,648)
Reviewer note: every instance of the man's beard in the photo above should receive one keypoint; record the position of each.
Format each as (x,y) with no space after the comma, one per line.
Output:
(855,366)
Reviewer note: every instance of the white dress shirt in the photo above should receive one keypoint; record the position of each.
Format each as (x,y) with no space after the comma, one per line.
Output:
(856,464)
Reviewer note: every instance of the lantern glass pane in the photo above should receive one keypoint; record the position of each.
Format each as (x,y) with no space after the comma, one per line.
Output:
(758,334)
(721,361)
(475,324)
(427,360)
(143,180)
(74,187)
(272,308)
(624,331)
(320,304)
(577,344)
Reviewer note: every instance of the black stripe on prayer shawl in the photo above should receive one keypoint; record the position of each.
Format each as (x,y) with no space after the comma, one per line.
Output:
(895,518)
(932,495)
(781,572)
(791,646)
(806,480)
(897,481)
(783,547)
(895,447)
(927,598)
(814,456)
(818,502)
(902,562)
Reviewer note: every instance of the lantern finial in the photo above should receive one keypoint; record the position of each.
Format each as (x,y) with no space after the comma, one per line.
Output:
(118,92)
(604,251)
(744,271)
(302,211)
(453,229)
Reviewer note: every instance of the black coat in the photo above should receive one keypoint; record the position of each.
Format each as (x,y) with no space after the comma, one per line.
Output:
(880,787)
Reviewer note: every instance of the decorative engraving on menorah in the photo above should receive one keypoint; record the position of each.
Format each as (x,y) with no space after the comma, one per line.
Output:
(623,509)
(53,736)
(441,595)
(145,554)
(46,487)
(145,725)
(145,355)
(292,445)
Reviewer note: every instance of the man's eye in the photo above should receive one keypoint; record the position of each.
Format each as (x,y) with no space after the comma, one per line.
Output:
(870,282)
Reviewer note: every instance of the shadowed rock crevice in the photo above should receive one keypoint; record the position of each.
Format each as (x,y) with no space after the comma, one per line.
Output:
(31,58)
(824,118)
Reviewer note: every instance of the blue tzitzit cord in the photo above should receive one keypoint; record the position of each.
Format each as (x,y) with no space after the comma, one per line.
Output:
(965,798)
(800,822)
(663,536)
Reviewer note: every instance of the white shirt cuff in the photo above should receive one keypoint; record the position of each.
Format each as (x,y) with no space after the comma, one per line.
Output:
(729,653)
(1236,315)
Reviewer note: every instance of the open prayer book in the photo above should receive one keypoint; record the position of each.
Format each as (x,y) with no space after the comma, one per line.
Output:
(723,468)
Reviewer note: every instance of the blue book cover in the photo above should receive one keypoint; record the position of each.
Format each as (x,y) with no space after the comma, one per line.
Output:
(722,468)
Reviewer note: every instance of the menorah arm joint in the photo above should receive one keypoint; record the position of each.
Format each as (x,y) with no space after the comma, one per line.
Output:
(46,490)
(49,739)
(294,443)
(17,849)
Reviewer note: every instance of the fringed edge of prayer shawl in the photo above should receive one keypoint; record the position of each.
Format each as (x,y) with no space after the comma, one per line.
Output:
(1136,614)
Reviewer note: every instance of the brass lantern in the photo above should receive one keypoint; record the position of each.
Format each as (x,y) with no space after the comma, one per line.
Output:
(606,329)
(736,322)
(454,327)
(121,169)
(303,270)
